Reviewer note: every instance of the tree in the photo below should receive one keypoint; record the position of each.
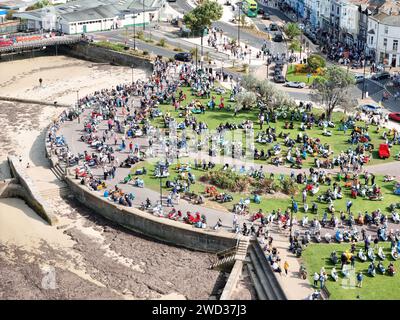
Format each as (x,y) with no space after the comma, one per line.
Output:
(9,15)
(249,82)
(315,61)
(245,100)
(292,30)
(332,89)
(295,45)
(38,5)
(203,16)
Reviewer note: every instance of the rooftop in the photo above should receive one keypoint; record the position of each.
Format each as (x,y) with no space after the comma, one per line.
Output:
(391,20)
(86,10)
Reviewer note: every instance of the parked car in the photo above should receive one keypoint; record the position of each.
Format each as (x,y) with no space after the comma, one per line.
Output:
(261,11)
(273,27)
(381,76)
(311,36)
(384,151)
(279,78)
(375,109)
(278,37)
(183,56)
(295,84)
(266,16)
(395,116)
(359,78)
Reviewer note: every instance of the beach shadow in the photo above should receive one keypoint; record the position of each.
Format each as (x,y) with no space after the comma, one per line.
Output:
(37,153)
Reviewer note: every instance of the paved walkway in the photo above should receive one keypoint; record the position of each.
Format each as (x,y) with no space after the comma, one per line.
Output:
(295,287)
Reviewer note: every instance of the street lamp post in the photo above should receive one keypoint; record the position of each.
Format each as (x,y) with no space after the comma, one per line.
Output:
(239,26)
(77,98)
(132,72)
(367,13)
(143,18)
(268,63)
(301,41)
(291,225)
(134,31)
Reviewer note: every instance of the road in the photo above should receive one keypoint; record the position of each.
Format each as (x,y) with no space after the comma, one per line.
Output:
(374,89)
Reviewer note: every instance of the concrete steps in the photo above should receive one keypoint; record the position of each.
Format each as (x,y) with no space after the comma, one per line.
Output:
(58,171)
(229,256)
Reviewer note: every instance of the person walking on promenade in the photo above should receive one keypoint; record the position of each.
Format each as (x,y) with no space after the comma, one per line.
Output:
(286,267)
(359,279)
(316,278)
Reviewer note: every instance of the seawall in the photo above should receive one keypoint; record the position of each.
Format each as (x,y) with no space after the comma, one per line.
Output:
(94,53)
(172,232)
(28,192)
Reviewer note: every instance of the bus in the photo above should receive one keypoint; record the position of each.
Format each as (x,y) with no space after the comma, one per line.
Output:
(250,8)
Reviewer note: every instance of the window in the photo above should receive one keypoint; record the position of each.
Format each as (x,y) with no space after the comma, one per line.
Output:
(372,40)
(337,11)
(386,29)
(385,42)
(395,45)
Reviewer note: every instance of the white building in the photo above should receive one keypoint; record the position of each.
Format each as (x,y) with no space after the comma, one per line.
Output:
(384,38)
(349,20)
(82,16)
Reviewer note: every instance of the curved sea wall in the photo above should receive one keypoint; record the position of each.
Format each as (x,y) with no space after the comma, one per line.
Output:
(172,232)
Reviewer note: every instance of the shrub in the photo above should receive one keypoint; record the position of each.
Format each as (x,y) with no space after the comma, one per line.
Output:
(315,61)
(161,43)
(228,181)
(145,53)
(289,187)
(300,68)
(140,35)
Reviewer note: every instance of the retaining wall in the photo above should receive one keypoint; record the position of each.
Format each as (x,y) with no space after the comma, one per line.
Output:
(91,52)
(233,279)
(172,232)
(29,192)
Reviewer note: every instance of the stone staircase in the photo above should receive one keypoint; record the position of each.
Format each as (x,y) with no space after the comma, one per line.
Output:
(228,257)
(54,192)
(59,171)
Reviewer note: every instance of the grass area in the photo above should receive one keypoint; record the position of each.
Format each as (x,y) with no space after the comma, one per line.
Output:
(272,202)
(380,287)
(291,75)
(338,141)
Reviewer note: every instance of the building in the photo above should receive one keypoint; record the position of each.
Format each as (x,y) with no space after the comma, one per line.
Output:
(3,14)
(82,16)
(349,21)
(16,5)
(384,38)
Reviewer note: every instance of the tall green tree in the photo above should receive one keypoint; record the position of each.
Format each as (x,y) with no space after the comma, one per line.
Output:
(292,30)
(203,16)
(332,89)
(38,5)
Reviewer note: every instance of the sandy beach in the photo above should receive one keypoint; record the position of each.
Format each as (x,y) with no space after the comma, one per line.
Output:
(86,256)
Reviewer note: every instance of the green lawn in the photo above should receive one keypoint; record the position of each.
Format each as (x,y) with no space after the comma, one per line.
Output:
(380,287)
(269,202)
(291,75)
(338,141)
